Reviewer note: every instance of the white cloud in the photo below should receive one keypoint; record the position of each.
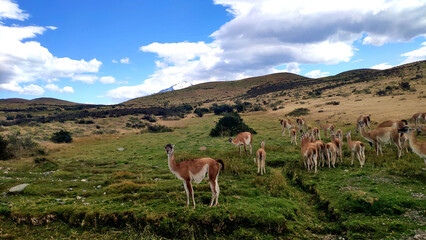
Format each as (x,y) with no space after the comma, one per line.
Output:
(107,79)
(317,74)
(9,9)
(114,61)
(382,66)
(265,34)
(55,88)
(85,78)
(416,55)
(125,60)
(24,61)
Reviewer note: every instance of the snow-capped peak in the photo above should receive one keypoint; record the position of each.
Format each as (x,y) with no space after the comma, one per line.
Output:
(177,86)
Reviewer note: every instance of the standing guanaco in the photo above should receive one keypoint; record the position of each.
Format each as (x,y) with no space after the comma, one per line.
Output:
(326,127)
(243,138)
(261,158)
(418,148)
(196,170)
(357,147)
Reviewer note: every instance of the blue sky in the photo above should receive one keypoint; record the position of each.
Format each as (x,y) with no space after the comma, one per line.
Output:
(106,52)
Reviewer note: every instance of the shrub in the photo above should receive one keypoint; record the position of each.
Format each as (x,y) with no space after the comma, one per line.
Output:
(242,106)
(404,85)
(333,103)
(230,125)
(149,118)
(4,153)
(220,109)
(298,112)
(159,128)
(201,111)
(61,137)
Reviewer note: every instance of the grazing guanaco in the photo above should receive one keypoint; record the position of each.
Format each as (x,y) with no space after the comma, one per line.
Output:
(332,150)
(322,152)
(380,136)
(316,133)
(357,147)
(404,141)
(196,170)
(243,138)
(286,124)
(418,148)
(339,144)
(309,151)
(326,127)
(301,123)
(394,123)
(261,157)
(417,118)
(293,136)
(339,134)
(365,119)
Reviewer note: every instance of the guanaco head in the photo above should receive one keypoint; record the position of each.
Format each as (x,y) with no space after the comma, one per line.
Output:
(262,144)
(407,129)
(348,134)
(169,148)
(360,125)
(230,140)
(405,122)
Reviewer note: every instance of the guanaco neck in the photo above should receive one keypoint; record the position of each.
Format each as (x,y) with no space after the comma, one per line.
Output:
(412,140)
(172,161)
(366,135)
(349,139)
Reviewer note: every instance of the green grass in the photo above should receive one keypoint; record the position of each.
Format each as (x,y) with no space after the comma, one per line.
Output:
(88,189)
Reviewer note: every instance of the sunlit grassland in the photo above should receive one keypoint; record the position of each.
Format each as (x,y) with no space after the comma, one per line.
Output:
(92,190)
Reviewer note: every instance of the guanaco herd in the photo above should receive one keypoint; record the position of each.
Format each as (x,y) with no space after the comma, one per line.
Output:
(314,151)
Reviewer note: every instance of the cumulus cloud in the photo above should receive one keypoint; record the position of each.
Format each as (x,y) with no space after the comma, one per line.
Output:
(125,60)
(11,10)
(317,74)
(85,78)
(382,66)
(24,61)
(55,88)
(265,34)
(107,79)
(416,55)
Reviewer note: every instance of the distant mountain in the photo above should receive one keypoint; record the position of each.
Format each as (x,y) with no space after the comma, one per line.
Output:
(41,101)
(177,86)
(278,84)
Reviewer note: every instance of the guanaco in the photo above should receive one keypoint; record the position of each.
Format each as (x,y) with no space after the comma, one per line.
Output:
(286,124)
(326,127)
(293,136)
(261,157)
(417,118)
(418,148)
(196,170)
(301,123)
(243,138)
(365,119)
(357,147)
(380,136)
(309,151)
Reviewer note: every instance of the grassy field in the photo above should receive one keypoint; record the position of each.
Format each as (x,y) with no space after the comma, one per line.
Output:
(89,189)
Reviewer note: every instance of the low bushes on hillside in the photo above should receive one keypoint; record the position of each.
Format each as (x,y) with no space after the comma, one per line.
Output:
(62,136)
(230,125)
(298,112)
(15,146)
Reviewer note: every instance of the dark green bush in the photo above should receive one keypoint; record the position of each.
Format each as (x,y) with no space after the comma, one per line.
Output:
(298,112)
(221,109)
(159,128)
(61,137)
(230,125)
(4,153)
(201,111)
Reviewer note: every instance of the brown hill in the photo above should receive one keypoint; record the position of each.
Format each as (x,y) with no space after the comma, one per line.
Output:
(281,84)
